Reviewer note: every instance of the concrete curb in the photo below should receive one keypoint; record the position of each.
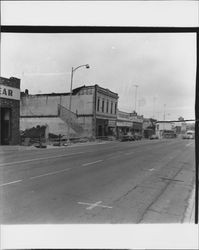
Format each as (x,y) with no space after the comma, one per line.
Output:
(4,149)
(189,216)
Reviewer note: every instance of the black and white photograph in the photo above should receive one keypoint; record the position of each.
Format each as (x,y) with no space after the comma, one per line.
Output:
(97,127)
(102,127)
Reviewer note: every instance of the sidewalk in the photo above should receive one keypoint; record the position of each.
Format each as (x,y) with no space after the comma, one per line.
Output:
(9,148)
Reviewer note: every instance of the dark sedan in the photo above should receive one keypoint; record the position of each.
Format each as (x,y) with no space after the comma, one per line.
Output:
(127,138)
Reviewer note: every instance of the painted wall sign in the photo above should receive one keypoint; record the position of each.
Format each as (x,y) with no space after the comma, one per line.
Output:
(136,119)
(9,92)
(124,124)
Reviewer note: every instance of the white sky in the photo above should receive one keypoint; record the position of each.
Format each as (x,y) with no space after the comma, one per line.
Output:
(162,65)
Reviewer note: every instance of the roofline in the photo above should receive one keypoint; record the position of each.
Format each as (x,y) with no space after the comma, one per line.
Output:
(12,77)
(106,89)
(73,90)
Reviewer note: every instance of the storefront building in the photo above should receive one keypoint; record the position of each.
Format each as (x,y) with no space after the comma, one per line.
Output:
(9,111)
(124,124)
(105,112)
(137,120)
(129,123)
(93,112)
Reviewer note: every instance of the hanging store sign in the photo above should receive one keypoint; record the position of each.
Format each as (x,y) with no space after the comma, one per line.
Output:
(9,92)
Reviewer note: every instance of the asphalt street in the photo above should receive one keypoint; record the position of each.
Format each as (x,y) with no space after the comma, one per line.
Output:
(112,182)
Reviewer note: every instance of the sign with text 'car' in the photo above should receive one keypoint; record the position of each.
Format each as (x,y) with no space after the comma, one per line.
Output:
(9,92)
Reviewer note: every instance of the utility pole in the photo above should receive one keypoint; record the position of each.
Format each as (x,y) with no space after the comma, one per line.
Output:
(164,118)
(154,100)
(136,86)
(164,112)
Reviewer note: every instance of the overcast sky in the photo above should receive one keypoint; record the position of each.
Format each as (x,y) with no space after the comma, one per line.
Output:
(162,65)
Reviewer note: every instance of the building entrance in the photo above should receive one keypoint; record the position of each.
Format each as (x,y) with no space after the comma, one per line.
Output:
(100,130)
(5,114)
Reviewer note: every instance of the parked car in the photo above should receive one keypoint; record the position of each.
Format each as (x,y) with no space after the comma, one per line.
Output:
(127,138)
(137,137)
(153,137)
(189,135)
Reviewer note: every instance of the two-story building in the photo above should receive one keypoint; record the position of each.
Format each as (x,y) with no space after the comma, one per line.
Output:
(106,111)
(93,112)
(129,123)
(137,122)
(124,124)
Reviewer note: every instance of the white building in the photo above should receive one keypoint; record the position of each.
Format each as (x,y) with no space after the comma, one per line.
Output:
(164,129)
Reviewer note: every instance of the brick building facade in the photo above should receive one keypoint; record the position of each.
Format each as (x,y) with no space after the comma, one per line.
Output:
(9,111)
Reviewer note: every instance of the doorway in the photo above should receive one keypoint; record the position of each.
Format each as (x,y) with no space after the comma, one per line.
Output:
(100,130)
(5,126)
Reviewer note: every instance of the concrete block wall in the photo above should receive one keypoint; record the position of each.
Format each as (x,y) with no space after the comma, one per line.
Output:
(87,124)
(48,105)
(55,125)
(38,110)
(38,106)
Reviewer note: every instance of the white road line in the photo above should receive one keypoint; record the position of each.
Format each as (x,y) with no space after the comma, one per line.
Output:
(38,159)
(9,183)
(50,173)
(187,145)
(34,177)
(90,163)
(93,205)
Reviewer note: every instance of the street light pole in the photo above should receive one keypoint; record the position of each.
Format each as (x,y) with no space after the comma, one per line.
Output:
(164,118)
(71,86)
(70,100)
(164,112)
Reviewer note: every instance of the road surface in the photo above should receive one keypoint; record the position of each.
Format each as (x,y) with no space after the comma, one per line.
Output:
(111,182)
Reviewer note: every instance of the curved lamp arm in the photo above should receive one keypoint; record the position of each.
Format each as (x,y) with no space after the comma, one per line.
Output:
(84,65)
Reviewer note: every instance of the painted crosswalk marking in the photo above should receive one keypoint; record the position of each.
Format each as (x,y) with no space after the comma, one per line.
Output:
(189,144)
(93,205)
